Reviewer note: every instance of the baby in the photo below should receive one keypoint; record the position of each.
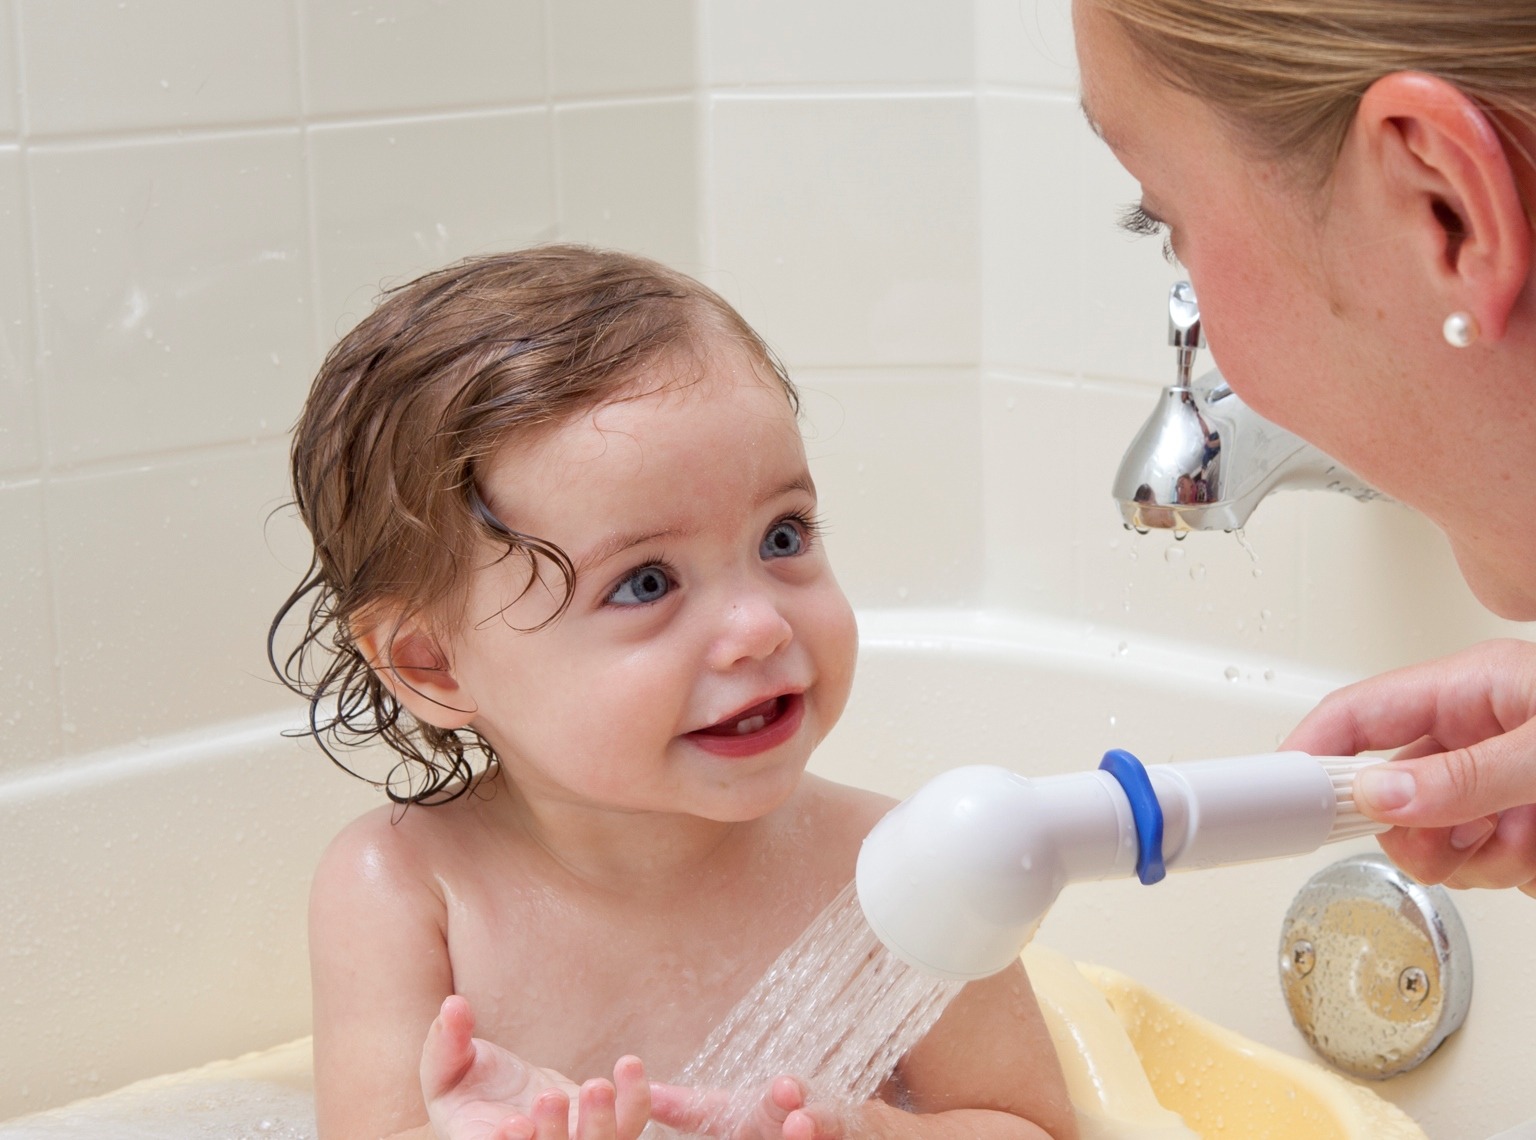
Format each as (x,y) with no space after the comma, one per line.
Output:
(568,567)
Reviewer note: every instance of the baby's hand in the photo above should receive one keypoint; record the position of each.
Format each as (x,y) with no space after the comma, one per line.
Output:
(781,1114)
(479,1091)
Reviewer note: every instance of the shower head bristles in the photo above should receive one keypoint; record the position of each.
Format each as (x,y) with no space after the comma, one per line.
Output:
(1348,822)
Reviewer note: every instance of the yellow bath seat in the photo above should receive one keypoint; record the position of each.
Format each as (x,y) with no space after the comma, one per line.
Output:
(1139,1067)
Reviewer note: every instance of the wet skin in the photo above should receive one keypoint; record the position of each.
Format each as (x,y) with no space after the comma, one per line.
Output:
(652,841)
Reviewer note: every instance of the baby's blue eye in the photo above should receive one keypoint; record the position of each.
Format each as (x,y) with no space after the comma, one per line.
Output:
(783,540)
(647,584)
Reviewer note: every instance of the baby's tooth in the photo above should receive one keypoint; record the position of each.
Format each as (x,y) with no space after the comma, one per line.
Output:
(751,724)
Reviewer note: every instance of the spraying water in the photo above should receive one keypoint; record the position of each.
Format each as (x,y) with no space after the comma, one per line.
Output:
(836,1009)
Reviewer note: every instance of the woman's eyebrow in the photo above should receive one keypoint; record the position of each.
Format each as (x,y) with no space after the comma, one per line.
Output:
(1093,124)
(1097,127)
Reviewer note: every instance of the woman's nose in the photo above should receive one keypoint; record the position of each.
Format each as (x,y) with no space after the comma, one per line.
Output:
(753,627)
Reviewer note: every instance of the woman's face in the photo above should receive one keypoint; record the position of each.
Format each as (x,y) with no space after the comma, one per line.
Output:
(1319,303)
(1293,296)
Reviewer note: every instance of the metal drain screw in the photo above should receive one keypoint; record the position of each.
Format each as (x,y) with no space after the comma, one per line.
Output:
(1413,985)
(1303,958)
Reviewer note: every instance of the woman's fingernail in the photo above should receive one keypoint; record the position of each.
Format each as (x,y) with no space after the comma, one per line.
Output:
(1471,833)
(1384,787)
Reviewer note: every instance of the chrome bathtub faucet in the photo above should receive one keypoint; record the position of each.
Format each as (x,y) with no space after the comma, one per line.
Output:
(1204,459)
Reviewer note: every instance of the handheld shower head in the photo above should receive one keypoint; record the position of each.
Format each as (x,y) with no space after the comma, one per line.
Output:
(955,879)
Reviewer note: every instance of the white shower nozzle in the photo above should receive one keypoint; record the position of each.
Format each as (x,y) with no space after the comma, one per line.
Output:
(955,879)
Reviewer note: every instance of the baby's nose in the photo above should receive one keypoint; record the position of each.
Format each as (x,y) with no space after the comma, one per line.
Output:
(752,627)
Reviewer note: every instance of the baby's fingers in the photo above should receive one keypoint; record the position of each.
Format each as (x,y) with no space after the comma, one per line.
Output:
(813,1122)
(515,1128)
(632,1106)
(596,1120)
(448,1051)
(552,1116)
(688,1110)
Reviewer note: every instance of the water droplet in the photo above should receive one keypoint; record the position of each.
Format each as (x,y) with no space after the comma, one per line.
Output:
(1197,572)
(1173,553)
(1269,674)
(1231,672)
(1122,649)
(1242,540)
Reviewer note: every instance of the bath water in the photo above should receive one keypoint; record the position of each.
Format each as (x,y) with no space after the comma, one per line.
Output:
(836,1009)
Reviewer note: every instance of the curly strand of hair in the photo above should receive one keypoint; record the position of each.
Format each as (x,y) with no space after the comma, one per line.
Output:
(350,708)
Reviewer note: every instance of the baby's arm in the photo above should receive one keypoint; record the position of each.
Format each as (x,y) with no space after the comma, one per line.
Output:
(382,976)
(987,1070)
(380,970)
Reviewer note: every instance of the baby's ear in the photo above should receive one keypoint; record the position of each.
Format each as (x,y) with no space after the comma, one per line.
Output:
(413,665)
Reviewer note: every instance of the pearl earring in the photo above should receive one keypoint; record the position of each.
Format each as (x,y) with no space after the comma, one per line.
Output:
(1460,329)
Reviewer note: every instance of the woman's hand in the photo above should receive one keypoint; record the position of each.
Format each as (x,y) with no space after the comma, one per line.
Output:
(782,1113)
(1461,790)
(479,1091)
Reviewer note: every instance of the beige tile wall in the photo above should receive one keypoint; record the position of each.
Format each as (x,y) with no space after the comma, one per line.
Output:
(196,199)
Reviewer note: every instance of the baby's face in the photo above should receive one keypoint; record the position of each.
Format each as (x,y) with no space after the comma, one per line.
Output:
(707,648)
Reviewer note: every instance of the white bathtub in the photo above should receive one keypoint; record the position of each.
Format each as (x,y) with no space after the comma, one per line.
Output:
(154,899)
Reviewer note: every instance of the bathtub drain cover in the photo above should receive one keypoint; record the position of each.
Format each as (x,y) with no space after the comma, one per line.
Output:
(1375,967)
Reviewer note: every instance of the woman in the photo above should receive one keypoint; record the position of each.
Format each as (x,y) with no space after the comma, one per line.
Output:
(1354,180)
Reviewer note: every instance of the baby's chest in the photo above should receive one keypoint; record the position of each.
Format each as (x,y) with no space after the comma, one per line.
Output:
(567,993)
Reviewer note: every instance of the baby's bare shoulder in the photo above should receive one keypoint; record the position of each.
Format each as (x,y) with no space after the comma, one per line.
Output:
(390,848)
(844,808)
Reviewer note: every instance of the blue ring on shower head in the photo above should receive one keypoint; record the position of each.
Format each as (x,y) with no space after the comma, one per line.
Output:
(1147,813)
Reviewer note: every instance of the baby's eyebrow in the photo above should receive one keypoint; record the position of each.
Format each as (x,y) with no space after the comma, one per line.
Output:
(617,544)
(801,482)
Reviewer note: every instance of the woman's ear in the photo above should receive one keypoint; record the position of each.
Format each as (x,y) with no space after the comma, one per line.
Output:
(1449,185)
(412,664)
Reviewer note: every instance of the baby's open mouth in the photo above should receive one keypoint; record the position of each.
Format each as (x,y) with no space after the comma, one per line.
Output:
(748,721)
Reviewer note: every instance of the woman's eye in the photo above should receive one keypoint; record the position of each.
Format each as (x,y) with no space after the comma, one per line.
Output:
(784,539)
(647,584)
(1134,219)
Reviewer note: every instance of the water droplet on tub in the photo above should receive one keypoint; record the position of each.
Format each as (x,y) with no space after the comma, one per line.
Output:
(1122,649)
(1197,572)
(1174,553)
(1269,674)
(1231,672)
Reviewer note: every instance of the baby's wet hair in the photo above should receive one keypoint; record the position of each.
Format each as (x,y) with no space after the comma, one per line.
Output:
(401,424)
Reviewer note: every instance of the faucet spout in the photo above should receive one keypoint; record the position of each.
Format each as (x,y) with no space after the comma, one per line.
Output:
(1204,459)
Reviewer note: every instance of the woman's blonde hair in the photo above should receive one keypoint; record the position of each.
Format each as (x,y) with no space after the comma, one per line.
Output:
(1287,75)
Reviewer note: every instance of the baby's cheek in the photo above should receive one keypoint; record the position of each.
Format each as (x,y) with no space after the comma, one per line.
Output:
(837,632)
